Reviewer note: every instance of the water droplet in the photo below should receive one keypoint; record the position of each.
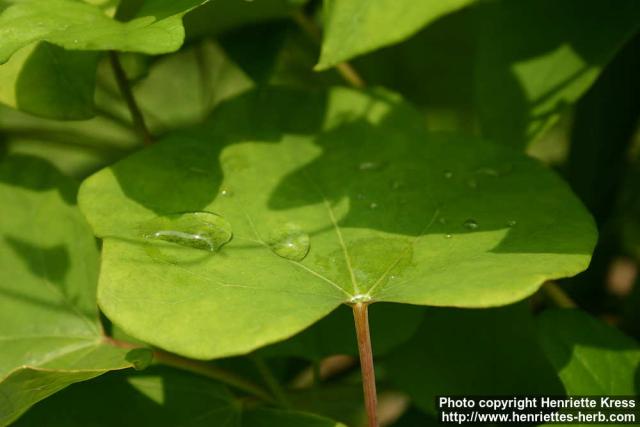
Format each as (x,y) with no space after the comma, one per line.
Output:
(470,224)
(512,223)
(488,172)
(448,174)
(225,192)
(472,183)
(289,242)
(369,166)
(442,220)
(198,230)
(447,236)
(373,205)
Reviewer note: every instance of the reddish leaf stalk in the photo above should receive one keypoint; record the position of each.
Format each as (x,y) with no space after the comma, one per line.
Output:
(361,317)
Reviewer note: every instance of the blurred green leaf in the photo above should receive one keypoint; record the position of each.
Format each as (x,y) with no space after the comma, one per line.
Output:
(535,57)
(49,328)
(159,397)
(391,213)
(219,16)
(355,27)
(77,148)
(472,352)
(590,357)
(75,25)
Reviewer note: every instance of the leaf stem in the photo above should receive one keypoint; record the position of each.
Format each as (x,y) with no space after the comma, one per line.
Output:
(201,368)
(361,318)
(348,73)
(556,294)
(271,381)
(125,89)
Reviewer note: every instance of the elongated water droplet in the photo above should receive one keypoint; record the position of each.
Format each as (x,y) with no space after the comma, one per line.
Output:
(488,172)
(447,236)
(470,224)
(448,174)
(198,230)
(369,166)
(373,205)
(289,242)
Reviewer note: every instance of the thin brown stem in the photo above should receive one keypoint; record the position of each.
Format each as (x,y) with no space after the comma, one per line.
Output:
(361,318)
(127,95)
(201,368)
(348,73)
(556,294)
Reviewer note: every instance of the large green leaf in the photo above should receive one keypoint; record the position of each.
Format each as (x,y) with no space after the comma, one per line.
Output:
(355,27)
(591,358)
(75,25)
(159,397)
(49,328)
(390,213)
(535,57)
(473,352)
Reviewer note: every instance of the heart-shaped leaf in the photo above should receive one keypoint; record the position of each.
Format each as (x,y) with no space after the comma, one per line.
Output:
(160,397)
(590,357)
(355,27)
(49,329)
(76,25)
(330,198)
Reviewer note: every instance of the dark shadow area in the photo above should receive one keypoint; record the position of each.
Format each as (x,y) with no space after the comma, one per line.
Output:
(57,82)
(51,264)
(599,169)
(165,398)
(487,352)
(35,174)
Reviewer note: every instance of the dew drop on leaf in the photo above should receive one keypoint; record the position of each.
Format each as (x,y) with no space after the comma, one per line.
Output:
(289,242)
(512,223)
(472,183)
(225,192)
(369,166)
(373,205)
(470,224)
(447,236)
(448,174)
(198,230)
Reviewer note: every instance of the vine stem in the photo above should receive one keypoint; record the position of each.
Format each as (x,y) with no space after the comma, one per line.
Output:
(127,94)
(348,73)
(361,318)
(556,294)
(201,368)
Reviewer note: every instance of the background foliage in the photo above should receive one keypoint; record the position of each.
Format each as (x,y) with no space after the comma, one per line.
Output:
(480,150)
